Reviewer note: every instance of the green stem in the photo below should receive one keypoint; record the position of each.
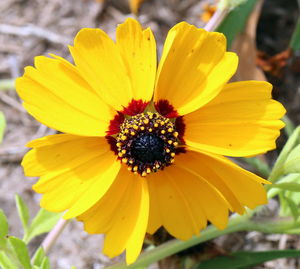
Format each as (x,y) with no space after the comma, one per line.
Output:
(237,223)
(7,84)
(174,246)
(289,126)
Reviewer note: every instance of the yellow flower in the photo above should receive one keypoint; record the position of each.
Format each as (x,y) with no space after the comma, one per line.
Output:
(143,146)
(134,5)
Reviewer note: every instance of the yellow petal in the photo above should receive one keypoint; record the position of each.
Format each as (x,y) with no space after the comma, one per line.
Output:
(186,202)
(122,214)
(75,171)
(245,186)
(97,187)
(99,60)
(99,218)
(138,50)
(242,120)
(135,242)
(191,160)
(60,152)
(134,5)
(70,188)
(193,68)
(55,94)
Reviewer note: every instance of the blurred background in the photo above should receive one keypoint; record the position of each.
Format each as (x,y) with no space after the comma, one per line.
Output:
(29,28)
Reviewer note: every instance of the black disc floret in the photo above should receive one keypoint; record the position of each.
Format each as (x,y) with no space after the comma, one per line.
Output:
(147,142)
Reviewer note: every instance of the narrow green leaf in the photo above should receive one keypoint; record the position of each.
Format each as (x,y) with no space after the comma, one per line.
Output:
(3,224)
(292,163)
(278,169)
(246,259)
(295,187)
(290,178)
(293,208)
(2,125)
(5,262)
(38,257)
(45,263)
(284,207)
(43,222)
(235,21)
(260,166)
(295,41)
(289,125)
(20,250)
(23,212)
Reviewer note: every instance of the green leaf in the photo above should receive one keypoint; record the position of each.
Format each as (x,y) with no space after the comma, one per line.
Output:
(293,208)
(3,224)
(278,169)
(235,21)
(295,187)
(2,125)
(290,178)
(295,41)
(23,212)
(20,251)
(43,222)
(289,125)
(246,259)
(292,163)
(45,263)
(38,257)
(5,262)
(259,165)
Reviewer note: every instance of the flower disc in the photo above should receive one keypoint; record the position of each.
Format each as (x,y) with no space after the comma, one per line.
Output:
(147,142)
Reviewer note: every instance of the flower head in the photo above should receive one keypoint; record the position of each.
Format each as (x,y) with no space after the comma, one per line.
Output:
(142,147)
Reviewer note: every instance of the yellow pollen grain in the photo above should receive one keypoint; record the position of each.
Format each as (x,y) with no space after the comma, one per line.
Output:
(172,154)
(170,142)
(146,121)
(172,161)
(175,134)
(124,160)
(132,133)
(126,131)
(175,144)
(148,170)
(150,130)
(155,125)
(129,168)
(144,173)
(170,130)
(131,161)
(123,151)
(123,137)
(120,154)
(135,168)
(135,127)
(142,128)
(119,144)
(157,166)
(168,150)
(162,131)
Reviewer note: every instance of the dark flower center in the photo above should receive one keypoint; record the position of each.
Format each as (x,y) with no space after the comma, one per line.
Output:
(148,148)
(147,142)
